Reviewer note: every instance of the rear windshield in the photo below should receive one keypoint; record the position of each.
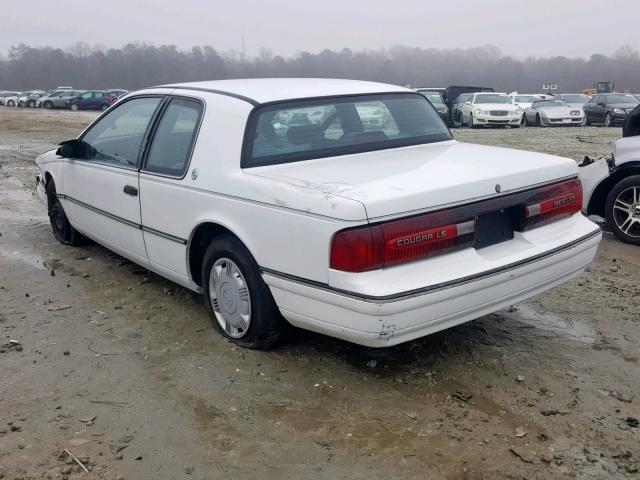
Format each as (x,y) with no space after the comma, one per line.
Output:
(307,129)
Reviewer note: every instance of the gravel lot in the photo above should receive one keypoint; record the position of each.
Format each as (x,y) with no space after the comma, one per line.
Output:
(122,369)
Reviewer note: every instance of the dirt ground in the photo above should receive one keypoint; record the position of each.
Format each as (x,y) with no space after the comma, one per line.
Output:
(122,369)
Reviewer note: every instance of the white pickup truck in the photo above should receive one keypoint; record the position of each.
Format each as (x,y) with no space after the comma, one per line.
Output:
(342,207)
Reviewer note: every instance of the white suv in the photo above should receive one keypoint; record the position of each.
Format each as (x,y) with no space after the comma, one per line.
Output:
(340,206)
(487,109)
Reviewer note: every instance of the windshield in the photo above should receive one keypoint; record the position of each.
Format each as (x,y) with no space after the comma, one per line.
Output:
(491,99)
(621,99)
(433,97)
(549,104)
(307,129)
(575,98)
(524,98)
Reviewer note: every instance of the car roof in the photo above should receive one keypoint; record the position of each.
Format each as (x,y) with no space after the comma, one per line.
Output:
(264,90)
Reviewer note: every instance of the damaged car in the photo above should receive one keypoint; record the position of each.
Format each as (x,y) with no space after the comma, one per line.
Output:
(373,232)
(612,185)
(549,113)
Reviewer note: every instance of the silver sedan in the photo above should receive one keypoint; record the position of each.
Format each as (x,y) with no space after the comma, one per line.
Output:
(548,113)
(58,99)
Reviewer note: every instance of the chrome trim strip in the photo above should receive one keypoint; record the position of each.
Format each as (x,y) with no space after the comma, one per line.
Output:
(432,288)
(135,225)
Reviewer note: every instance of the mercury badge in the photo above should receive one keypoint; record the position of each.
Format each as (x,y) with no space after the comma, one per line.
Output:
(498,188)
(194,174)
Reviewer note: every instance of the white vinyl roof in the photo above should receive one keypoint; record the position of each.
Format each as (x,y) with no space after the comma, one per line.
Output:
(263,90)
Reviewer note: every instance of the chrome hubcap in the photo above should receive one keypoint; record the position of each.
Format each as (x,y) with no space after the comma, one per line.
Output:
(230,298)
(626,211)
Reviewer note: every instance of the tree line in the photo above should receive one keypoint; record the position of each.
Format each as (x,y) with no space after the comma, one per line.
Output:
(135,66)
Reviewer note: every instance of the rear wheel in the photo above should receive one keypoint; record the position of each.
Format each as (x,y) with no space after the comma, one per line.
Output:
(105,106)
(74,107)
(239,303)
(11,103)
(32,104)
(62,229)
(48,105)
(622,210)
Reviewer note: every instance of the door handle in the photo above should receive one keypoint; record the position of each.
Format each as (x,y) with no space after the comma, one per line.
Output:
(129,190)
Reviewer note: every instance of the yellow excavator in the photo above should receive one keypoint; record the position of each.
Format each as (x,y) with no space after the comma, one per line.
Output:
(600,87)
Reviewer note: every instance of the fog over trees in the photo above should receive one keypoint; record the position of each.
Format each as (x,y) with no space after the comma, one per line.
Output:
(138,65)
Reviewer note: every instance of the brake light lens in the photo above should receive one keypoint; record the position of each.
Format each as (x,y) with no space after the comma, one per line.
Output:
(553,202)
(409,239)
(399,241)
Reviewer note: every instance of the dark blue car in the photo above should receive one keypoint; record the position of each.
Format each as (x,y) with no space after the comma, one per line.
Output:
(90,100)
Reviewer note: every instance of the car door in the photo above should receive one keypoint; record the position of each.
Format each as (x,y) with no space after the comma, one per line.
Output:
(97,100)
(165,200)
(100,190)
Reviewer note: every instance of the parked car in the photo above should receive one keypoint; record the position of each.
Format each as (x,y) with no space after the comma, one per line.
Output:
(9,99)
(549,113)
(612,185)
(89,100)
(490,109)
(523,101)
(456,109)
(59,99)
(438,102)
(374,235)
(24,96)
(611,109)
(32,100)
(574,100)
(114,95)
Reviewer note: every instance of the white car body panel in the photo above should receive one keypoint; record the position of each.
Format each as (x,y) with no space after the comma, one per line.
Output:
(627,150)
(286,216)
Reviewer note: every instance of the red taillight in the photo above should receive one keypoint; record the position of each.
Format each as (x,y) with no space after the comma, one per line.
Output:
(553,202)
(399,241)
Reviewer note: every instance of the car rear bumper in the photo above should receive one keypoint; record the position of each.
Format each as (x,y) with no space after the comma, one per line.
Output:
(380,321)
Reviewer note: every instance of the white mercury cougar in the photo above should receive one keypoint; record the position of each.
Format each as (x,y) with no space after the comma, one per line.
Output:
(339,206)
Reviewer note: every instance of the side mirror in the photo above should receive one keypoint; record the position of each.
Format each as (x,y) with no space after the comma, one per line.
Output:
(74,149)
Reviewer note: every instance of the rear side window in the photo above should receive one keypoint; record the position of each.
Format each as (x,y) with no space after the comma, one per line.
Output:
(307,129)
(174,137)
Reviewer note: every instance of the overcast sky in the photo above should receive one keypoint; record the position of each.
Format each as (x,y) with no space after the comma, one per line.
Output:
(517,27)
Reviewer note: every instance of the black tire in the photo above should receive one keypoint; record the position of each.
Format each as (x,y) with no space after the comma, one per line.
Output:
(62,229)
(471,124)
(11,103)
(633,235)
(538,120)
(608,120)
(525,122)
(32,104)
(20,104)
(48,105)
(266,326)
(105,106)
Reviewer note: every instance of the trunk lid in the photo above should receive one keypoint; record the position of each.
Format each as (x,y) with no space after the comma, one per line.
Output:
(401,181)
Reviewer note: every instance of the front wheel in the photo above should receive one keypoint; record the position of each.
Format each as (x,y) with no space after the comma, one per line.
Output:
(607,120)
(525,122)
(622,210)
(62,229)
(239,303)
(471,124)
(32,104)
(11,103)
(48,105)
